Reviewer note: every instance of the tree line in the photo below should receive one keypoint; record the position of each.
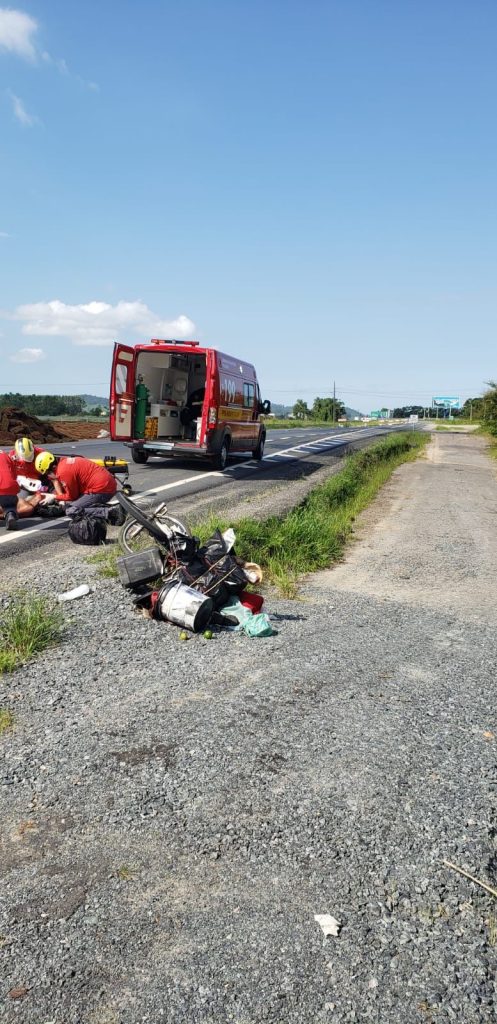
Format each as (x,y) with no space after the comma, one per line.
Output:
(326,409)
(482,409)
(44,405)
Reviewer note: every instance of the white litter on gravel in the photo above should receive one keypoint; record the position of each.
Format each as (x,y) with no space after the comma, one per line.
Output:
(328,924)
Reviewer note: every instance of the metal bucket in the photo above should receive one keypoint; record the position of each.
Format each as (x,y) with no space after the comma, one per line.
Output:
(184,606)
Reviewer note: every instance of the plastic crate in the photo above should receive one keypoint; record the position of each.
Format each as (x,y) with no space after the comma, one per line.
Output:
(140,568)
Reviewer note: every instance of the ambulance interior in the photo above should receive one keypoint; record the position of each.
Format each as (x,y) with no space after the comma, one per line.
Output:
(172,378)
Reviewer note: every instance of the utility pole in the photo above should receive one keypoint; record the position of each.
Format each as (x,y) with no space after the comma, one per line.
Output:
(334,397)
(470,409)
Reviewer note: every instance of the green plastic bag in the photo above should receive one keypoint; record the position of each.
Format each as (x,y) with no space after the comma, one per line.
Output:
(257,625)
(252,625)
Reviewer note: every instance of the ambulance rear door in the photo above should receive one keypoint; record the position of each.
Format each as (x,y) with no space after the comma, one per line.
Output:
(122,393)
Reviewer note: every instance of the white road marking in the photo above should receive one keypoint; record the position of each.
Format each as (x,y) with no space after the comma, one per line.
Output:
(17,535)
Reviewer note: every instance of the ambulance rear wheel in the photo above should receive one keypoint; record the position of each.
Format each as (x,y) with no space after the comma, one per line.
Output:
(220,460)
(258,453)
(139,456)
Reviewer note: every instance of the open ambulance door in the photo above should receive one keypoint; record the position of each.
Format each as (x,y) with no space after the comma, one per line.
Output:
(122,393)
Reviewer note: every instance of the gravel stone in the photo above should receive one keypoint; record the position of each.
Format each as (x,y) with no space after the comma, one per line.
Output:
(174,815)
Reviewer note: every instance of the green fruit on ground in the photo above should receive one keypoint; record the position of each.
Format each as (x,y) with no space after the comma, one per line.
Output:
(208,634)
(184,635)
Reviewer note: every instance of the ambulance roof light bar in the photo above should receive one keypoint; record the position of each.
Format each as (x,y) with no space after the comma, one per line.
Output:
(172,341)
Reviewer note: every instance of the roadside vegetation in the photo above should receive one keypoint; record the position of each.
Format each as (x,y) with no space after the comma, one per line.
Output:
(6,720)
(486,413)
(28,625)
(313,535)
(280,423)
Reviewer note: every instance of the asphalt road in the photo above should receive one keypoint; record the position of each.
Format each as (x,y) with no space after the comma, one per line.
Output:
(180,477)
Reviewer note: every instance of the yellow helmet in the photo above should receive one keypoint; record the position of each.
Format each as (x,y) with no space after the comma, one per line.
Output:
(24,449)
(44,462)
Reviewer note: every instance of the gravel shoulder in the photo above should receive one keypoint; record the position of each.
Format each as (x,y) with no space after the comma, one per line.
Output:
(175,814)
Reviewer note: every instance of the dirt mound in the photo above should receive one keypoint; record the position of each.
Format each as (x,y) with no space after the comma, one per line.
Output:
(15,423)
(78,430)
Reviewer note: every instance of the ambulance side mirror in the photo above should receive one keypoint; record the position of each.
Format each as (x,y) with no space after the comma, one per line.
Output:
(265,407)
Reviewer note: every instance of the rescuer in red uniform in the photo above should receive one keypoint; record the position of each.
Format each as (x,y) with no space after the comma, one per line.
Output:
(23,455)
(9,489)
(77,481)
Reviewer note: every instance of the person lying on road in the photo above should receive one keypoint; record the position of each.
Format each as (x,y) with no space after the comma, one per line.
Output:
(77,481)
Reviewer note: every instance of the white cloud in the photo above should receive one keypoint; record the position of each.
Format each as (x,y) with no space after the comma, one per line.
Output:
(17,30)
(4,234)
(17,35)
(28,355)
(20,111)
(98,323)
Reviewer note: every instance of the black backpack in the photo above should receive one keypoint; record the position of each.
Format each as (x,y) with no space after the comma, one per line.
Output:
(88,527)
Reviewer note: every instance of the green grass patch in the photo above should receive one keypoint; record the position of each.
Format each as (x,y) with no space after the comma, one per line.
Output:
(6,720)
(106,557)
(28,625)
(313,535)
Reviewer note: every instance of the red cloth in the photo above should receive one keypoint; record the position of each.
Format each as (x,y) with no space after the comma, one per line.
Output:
(8,482)
(251,600)
(78,476)
(23,468)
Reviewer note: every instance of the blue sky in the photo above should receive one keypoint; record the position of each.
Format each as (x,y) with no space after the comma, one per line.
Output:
(311,186)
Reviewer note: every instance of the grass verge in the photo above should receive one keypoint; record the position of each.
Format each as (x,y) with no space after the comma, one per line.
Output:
(28,625)
(489,434)
(313,535)
(282,424)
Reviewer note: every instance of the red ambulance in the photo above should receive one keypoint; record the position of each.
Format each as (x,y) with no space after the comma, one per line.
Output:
(176,398)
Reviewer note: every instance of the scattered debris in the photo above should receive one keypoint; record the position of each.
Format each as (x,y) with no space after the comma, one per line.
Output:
(461,871)
(25,827)
(72,595)
(190,584)
(19,992)
(328,924)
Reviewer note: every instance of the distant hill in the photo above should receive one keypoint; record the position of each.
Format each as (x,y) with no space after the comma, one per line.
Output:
(280,410)
(92,400)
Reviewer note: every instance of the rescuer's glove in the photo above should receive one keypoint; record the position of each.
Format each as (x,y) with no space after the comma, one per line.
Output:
(47,499)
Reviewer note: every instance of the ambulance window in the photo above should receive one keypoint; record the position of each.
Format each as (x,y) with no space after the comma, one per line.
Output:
(248,396)
(121,378)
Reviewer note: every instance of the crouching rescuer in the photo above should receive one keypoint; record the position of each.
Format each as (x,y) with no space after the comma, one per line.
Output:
(9,489)
(78,482)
